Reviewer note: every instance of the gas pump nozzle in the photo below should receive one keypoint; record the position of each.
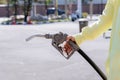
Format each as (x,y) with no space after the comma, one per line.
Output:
(58,40)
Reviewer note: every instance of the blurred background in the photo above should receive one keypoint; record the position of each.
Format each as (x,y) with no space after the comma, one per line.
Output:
(44,11)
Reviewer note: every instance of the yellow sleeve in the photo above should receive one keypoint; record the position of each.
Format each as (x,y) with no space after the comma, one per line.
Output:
(104,23)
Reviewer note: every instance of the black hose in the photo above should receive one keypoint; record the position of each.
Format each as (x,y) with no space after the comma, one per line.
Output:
(97,69)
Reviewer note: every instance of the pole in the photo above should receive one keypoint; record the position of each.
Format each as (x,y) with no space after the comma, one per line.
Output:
(56,7)
(66,9)
(8,12)
(79,7)
(33,9)
(25,3)
(91,9)
(101,6)
(15,7)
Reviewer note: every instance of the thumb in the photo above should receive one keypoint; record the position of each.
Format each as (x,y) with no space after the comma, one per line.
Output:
(70,38)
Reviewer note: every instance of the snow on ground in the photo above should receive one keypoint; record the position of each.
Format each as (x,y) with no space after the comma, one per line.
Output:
(38,60)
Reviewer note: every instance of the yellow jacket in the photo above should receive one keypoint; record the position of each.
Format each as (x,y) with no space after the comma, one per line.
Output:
(109,18)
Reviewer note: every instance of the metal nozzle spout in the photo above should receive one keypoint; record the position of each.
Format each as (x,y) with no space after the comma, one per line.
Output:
(47,36)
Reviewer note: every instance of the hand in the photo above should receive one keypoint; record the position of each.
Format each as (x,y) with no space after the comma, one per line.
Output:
(67,47)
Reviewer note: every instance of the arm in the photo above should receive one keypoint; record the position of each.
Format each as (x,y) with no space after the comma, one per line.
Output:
(104,23)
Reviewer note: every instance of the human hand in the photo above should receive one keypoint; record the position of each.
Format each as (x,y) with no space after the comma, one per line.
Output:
(68,47)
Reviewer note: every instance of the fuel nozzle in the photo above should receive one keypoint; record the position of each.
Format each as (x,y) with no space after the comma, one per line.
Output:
(58,41)
(47,36)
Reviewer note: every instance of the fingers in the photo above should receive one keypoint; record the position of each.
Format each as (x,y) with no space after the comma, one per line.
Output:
(70,38)
(67,48)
